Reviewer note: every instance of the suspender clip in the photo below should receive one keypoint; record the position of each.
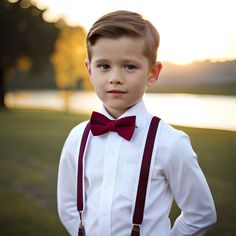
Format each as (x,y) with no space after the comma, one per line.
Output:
(135,230)
(81,231)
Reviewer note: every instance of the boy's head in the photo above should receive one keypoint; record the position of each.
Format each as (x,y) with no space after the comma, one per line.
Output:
(125,23)
(122,50)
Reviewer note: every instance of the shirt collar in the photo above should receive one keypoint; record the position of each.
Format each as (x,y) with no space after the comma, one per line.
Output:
(139,110)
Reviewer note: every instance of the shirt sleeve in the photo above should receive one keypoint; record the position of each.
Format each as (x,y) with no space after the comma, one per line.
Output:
(66,185)
(190,190)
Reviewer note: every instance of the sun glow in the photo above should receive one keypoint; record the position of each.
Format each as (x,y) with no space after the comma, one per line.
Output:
(190,29)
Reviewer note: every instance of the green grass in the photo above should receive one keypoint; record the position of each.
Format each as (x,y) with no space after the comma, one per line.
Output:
(30,146)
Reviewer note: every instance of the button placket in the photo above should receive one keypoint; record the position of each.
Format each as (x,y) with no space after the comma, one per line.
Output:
(111,155)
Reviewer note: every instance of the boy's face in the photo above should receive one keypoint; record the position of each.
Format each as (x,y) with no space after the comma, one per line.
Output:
(120,72)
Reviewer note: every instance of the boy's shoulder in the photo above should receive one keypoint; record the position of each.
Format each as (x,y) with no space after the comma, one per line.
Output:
(172,140)
(77,131)
(169,133)
(175,144)
(79,127)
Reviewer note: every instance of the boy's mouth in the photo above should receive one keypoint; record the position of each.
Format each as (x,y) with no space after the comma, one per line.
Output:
(116,92)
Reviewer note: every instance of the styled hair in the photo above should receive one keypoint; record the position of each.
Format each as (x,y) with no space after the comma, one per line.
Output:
(125,23)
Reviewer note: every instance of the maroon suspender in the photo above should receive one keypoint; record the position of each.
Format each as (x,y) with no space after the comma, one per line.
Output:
(143,177)
(80,191)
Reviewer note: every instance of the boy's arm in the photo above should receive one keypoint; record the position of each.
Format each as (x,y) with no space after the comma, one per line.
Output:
(190,190)
(66,188)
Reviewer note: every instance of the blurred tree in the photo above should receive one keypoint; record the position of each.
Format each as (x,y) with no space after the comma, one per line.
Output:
(69,59)
(26,41)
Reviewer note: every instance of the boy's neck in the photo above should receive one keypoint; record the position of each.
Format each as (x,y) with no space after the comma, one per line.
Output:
(115,114)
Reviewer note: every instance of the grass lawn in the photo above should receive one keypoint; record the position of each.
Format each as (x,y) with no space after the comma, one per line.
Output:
(30,146)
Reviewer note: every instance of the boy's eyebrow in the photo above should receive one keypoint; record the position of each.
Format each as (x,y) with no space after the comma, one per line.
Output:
(99,60)
(128,60)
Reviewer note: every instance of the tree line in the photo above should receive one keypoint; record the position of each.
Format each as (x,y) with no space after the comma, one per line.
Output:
(33,51)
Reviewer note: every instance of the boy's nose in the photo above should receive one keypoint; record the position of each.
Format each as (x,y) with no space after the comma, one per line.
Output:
(116,77)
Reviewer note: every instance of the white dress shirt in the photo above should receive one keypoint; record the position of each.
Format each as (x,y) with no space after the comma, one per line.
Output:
(111,169)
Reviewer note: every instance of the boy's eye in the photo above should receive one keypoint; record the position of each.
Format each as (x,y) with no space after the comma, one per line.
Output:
(104,66)
(130,67)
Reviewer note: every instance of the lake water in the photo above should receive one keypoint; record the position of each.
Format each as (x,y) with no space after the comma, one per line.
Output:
(204,111)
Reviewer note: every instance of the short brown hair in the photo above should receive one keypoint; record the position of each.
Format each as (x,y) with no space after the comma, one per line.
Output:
(125,23)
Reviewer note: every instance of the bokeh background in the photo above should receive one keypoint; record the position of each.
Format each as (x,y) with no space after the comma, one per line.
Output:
(45,91)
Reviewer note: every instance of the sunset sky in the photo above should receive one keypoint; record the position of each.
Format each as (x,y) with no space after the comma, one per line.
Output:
(190,29)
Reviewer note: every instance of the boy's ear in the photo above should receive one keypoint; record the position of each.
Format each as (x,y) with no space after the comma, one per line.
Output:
(88,66)
(154,74)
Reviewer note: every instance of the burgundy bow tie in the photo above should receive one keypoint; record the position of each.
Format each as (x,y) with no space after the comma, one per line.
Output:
(100,124)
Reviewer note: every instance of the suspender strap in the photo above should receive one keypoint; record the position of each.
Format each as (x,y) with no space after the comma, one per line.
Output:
(80,178)
(143,177)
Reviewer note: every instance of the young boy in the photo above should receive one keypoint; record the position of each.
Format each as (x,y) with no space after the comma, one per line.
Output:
(122,50)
